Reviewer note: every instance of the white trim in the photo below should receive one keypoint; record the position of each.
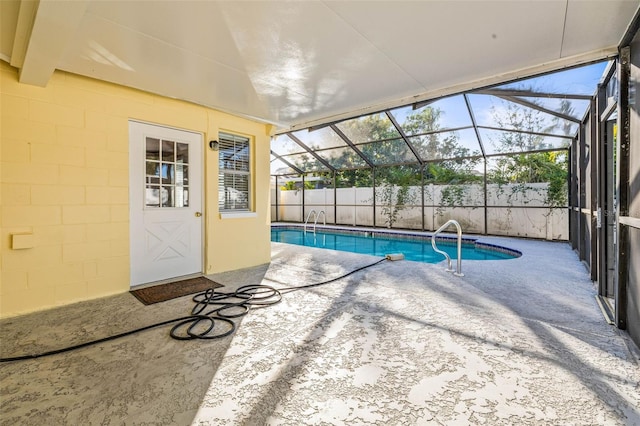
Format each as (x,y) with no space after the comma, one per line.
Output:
(237,215)
(633,222)
(24,26)
(231,140)
(181,129)
(53,27)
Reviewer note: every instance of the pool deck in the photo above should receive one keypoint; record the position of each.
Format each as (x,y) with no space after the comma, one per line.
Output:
(518,341)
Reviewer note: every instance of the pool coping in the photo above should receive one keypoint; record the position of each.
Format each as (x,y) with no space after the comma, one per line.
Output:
(409,234)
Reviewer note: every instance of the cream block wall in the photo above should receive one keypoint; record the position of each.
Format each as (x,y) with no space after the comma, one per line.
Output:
(241,242)
(64,179)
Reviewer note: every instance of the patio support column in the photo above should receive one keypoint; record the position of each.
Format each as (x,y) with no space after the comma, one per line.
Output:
(277,206)
(571,185)
(605,197)
(373,179)
(484,190)
(335,198)
(593,196)
(484,154)
(422,193)
(303,218)
(624,188)
(582,186)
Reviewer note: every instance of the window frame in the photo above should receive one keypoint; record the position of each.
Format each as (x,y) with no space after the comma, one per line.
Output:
(238,167)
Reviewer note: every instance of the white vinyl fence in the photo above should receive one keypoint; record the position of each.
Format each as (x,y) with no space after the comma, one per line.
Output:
(511,210)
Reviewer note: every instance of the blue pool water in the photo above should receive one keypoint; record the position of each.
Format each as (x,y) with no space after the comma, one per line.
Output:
(414,248)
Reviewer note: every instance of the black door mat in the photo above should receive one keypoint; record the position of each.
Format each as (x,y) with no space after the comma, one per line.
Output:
(163,292)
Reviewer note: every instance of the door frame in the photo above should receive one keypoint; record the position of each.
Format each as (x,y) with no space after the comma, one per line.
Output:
(201,193)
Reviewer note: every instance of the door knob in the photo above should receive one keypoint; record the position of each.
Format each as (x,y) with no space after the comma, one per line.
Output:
(198,214)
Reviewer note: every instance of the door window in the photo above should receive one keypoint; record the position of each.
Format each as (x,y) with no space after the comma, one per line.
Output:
(167,173)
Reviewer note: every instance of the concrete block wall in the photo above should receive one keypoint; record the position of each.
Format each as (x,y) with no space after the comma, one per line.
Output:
(65,178)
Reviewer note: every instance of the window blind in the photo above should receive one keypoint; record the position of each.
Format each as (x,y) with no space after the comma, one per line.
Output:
(234,173)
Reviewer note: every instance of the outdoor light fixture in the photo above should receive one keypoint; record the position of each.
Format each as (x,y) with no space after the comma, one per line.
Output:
(213,145)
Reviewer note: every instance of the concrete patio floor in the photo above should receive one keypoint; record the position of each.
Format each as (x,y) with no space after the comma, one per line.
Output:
(517,341)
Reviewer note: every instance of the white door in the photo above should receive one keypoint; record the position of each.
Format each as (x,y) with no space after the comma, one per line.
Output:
(165,202)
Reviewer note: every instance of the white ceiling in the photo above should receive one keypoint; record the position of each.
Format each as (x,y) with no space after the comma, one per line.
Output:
(304,62)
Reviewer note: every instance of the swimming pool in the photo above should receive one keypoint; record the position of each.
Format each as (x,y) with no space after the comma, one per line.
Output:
(414,247)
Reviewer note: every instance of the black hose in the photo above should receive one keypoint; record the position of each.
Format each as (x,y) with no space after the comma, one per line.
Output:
(205,325)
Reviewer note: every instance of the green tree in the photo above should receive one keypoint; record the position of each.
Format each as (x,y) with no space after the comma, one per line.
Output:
(530,167)
(356,177)
(396,167)
(291,185)
(393,200)
(566,127)
(433,146)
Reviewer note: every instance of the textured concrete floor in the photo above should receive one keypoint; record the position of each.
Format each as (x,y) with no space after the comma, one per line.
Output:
(517,341)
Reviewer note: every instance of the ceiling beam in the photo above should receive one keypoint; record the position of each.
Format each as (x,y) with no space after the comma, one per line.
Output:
(406,140)
(53,25)
(312,152)
(526,132)
(540,108)
(279,157)
(475,124)
(531,94)
(631,31)
(352,145)
(26,17)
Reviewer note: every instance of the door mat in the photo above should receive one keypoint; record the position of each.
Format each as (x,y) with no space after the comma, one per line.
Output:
(163,292)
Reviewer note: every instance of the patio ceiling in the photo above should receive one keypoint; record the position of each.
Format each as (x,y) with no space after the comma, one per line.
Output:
(298,64)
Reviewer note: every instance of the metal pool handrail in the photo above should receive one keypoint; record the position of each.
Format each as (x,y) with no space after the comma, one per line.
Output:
(458,272)
(324,220)
(306,221)
(315,222)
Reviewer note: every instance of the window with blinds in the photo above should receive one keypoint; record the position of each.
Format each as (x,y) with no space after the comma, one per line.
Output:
(235,173)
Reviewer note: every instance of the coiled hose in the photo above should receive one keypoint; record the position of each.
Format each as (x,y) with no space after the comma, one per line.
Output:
(203,323)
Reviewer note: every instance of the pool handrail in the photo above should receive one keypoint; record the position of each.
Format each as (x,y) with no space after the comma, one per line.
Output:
(324,220)
(458,271)
(315,222)
(306,221)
